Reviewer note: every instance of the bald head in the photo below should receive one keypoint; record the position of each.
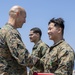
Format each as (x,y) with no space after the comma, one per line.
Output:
(16,10)
(17,16)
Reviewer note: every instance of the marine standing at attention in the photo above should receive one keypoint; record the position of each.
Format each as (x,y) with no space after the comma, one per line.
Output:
(39,48)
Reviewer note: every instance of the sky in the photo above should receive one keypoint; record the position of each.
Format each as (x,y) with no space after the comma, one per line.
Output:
(39,12)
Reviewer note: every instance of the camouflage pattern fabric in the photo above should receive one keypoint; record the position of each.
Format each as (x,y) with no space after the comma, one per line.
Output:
(38,50)
(13,53)
(59,59)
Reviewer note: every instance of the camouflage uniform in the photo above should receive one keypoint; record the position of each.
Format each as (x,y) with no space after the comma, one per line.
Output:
(13,53)
(59,59)
(39,51)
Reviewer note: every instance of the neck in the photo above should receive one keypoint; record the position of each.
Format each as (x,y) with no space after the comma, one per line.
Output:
(12,22)
(36,41)
(57,40)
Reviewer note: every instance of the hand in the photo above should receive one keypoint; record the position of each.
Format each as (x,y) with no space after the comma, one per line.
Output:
(33,58)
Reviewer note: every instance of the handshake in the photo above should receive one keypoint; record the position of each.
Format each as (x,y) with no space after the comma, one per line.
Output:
(31,60)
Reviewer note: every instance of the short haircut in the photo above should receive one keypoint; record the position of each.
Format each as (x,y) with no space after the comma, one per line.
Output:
(59,22)
(37,30)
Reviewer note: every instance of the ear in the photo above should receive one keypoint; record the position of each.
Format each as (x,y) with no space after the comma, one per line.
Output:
(59,30)
(38,35)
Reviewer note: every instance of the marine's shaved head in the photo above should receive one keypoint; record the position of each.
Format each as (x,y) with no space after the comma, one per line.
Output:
(16,9)
(17,16)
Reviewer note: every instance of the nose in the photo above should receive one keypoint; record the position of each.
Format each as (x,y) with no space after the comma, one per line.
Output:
(48,32)
(25,21)
(29,36)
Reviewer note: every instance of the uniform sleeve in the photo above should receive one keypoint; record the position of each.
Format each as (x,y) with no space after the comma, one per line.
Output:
(66,62)
(42,60)
(17,48)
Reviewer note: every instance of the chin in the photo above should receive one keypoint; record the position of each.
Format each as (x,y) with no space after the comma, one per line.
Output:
(50,38)
(31,41)
(20,27)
